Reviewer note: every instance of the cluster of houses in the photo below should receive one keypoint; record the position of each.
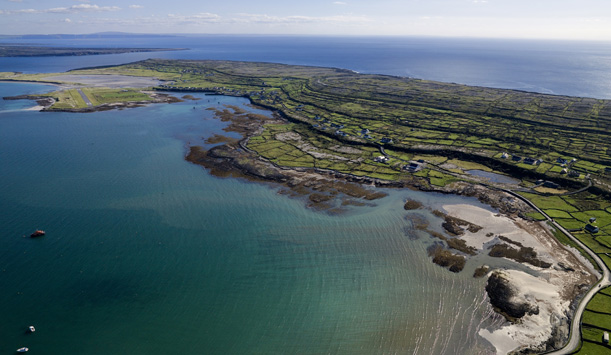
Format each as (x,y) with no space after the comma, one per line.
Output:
(365,133)
(412,167)
(526,160)
(564,163)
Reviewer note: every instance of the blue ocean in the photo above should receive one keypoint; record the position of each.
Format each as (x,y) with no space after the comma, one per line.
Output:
(146,253)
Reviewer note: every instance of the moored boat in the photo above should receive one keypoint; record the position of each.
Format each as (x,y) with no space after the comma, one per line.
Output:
(22,350)
(32,329)
(37,233)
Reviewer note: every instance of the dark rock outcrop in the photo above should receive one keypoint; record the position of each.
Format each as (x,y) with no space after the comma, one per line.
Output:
(502,297)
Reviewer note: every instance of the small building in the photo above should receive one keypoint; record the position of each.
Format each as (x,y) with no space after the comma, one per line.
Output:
(606,337)
(413,167)
(381,159)
(504,155)
(551,185)
(592,219)
(564,171)
(573,173)
(590,228)
(516,158)
(561,161)
(340,133)
(386,140)
(529,161)
(364,131)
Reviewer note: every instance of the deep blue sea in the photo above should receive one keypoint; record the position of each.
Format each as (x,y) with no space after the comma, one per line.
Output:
(574,68)
(146,253)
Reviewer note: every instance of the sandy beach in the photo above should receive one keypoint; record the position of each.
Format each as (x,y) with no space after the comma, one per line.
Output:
(550,290)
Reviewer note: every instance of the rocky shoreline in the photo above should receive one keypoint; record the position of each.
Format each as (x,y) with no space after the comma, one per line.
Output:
(330,191)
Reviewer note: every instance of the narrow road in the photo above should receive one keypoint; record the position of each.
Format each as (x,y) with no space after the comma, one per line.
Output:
(605,281)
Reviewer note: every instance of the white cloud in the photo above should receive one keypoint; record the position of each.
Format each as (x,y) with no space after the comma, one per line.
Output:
(136,6)
(340,3)
(200,18)
(15,0)
(67,20)
(267,19)
(65,10)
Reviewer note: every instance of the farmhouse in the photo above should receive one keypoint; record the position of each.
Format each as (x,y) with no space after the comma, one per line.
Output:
(529,161)
(413,167)
(381,159)
(551,185)
(590,228)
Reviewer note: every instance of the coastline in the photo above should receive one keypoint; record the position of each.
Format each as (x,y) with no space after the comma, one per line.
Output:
(547,330)
(312,180)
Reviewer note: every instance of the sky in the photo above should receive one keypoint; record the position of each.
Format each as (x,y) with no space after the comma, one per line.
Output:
(553,19)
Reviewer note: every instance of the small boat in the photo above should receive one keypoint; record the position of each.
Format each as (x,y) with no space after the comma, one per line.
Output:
(37,233)
(22,350)
(32,329)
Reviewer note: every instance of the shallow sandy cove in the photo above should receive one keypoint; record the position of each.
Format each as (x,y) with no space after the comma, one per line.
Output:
(552,290)
(496,224)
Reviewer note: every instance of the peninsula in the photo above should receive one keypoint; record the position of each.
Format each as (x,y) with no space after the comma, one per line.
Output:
(333,132)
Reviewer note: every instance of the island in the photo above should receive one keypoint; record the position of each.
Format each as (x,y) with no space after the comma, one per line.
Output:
(10,50)
(542,161)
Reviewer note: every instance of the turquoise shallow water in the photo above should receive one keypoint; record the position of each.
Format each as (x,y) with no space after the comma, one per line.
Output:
(148,254)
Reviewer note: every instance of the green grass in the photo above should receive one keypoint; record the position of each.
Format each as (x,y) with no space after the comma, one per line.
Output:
(536,216)
(592,342)
(597,319)
(557,214)
(99,96)
(600,303)
(549,202)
